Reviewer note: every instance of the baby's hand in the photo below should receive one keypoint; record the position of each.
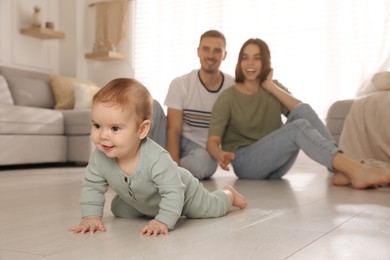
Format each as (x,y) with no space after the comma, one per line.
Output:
(90,224)
(154,227)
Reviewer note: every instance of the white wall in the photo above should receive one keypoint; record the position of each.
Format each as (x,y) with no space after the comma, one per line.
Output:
(59,56)
(4,26)
(99,71)
(21,51)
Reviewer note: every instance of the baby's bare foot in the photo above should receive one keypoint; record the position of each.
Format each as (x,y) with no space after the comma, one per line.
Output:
(238,200)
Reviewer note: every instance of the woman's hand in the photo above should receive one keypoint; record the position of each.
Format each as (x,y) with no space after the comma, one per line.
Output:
(268,82)
(154,228)
(284,97)
(225,159)
(214,148)
(89,224)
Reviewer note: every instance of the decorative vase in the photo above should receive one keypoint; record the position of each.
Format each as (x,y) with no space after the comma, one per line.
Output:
(37,17)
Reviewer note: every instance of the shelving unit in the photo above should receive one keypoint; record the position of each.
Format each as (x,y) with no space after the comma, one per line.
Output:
(42,33)
(105,56)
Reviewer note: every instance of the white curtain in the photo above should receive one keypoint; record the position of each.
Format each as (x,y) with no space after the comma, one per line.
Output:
(322,50)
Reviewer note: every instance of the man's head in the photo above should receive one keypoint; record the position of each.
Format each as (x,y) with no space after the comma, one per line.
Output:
(211,51)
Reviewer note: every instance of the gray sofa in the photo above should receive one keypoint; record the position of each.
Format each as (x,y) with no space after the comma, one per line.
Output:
(33,132)
(336,116)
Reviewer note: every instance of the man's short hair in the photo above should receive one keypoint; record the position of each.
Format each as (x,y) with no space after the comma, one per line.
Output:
(213,33)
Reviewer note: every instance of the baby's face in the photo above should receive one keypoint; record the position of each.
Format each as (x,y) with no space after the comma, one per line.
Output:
(114,130)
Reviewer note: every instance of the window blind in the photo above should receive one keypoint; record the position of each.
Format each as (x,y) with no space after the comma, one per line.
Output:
(321,51)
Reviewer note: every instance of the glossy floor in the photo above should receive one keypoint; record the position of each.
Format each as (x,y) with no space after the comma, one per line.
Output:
(301,216)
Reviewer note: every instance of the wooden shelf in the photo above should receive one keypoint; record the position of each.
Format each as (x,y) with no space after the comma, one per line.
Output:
(42,33)
(105,56)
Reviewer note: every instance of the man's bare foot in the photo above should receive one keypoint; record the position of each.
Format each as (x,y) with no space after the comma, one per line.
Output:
(370,177)
(238,200)
(340,179)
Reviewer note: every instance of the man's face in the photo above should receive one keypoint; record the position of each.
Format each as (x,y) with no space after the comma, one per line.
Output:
(211,53)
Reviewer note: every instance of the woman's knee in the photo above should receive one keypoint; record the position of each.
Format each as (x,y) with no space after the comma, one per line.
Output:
(298,124)
(303,107)
(301,110)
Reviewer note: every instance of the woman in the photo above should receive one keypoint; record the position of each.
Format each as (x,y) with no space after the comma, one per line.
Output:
(247,131)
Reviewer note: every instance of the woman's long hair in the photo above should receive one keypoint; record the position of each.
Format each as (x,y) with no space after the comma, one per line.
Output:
(265,60)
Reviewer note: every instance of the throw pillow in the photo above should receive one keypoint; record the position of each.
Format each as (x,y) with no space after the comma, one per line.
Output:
(83,95)
(63,90)
(31,92)
(381,80)
(5,94)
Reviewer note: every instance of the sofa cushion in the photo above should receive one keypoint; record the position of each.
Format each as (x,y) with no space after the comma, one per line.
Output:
(83,95)
(31,92)
(19,120)
(5,94)
(381,80)
(63,90)
(77,122)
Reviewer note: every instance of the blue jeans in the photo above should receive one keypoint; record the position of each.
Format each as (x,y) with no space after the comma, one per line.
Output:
(159,125)
(196,159)
(273,156)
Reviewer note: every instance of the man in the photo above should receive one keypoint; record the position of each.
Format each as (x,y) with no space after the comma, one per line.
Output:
(190,100)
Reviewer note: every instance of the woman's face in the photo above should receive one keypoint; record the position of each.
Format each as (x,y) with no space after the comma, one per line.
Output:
(250,62)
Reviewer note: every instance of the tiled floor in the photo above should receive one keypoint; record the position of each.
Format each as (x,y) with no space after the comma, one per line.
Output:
(301,216)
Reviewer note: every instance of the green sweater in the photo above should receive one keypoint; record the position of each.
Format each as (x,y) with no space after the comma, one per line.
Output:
(241,120)
(158,187)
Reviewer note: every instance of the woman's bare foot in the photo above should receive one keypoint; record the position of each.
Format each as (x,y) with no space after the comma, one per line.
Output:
(369,177)
(238,200)
(340,179)
(360,175)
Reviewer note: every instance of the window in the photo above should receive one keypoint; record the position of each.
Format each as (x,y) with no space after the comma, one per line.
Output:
(321,51)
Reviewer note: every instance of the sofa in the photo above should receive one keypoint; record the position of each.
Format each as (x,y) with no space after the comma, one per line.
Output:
(31,130)
(378,87)
(335,117)
(361,126)
(43,119)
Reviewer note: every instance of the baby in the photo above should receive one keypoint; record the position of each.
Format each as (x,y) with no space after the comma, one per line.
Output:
(147,181)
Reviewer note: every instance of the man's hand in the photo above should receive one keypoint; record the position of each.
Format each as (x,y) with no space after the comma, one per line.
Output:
(89,224)
(154,228)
